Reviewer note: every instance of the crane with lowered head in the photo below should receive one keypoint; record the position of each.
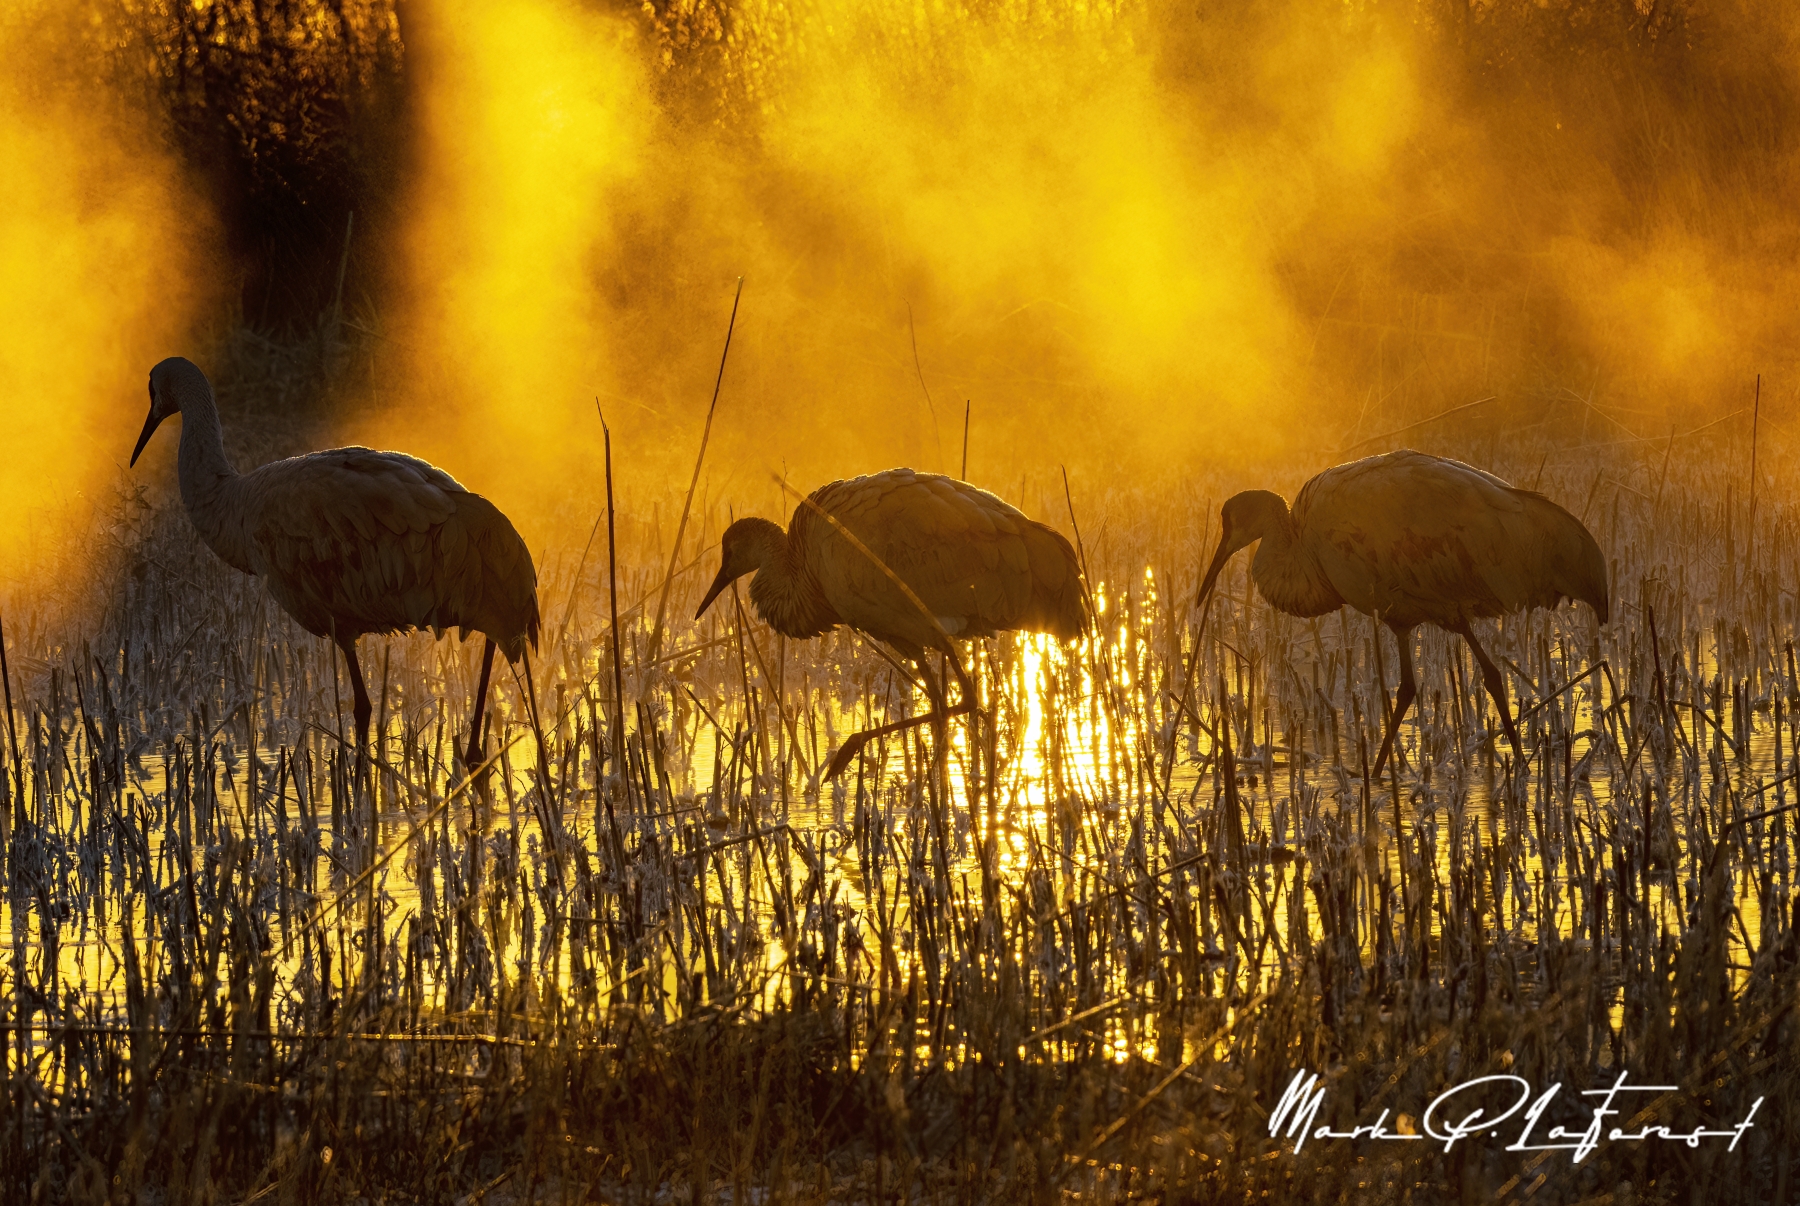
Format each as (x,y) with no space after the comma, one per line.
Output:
(916,561)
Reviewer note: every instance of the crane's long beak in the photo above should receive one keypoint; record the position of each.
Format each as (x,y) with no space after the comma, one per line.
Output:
(150,425)
(719,583)
(1212,571)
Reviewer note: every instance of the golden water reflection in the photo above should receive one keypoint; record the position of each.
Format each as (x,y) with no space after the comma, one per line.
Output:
(1100,764)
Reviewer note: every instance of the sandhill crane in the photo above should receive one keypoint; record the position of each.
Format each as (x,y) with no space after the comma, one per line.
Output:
(1414,539)
(913,560)
(353,541)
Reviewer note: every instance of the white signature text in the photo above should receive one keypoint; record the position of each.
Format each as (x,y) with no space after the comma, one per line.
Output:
(1454,1116)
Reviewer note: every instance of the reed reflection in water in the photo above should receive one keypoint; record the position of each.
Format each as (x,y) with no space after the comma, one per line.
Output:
(1141,843)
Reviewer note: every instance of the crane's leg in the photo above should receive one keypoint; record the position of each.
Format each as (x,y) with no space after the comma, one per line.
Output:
(552,823)
(963,682)
(937,692)
(1409,690)
(939,715)
(968,707)
(1496,687)
(363,709)
(473,758)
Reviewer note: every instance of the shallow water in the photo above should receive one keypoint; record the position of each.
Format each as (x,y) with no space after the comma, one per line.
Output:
(1099,769)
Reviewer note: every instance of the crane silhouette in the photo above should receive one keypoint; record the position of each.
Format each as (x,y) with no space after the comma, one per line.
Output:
(353,541)
(1414,539)
(914,560)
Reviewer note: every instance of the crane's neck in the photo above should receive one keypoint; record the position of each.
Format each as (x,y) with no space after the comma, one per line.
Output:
(1286,571)
(208,482)
(785,591)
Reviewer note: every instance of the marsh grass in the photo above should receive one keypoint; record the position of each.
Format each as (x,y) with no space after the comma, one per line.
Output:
(652,958)
(661,961)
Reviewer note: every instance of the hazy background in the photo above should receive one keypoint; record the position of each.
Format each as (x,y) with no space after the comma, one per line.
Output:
(1239,240)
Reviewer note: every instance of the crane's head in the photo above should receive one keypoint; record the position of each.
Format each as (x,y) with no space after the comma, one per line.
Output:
(747,545)
(1243,520)
(170,381)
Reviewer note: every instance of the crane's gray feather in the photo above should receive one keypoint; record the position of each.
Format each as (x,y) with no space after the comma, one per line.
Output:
(352,541)
(1415,538)
(976,564)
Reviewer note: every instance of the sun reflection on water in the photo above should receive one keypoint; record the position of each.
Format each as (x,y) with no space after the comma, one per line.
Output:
(1063,771)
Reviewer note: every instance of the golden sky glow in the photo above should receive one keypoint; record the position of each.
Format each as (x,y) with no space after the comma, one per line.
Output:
(1137,240)
(1120,253)
(91,287)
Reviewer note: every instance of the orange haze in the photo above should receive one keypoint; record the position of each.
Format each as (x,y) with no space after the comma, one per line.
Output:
(1136,239)
(92,283)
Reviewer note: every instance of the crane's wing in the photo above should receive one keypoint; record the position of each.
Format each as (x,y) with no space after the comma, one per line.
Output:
(975,562)
(353,541)
(1418,538)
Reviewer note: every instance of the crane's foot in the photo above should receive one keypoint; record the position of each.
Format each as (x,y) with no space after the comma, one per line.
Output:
(846,754)
(854,743)
(478,723)
(1390,747)
(470,759)
(1381,758)
(1512,738)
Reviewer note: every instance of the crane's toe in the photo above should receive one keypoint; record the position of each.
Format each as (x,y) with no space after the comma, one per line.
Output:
(846,754)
